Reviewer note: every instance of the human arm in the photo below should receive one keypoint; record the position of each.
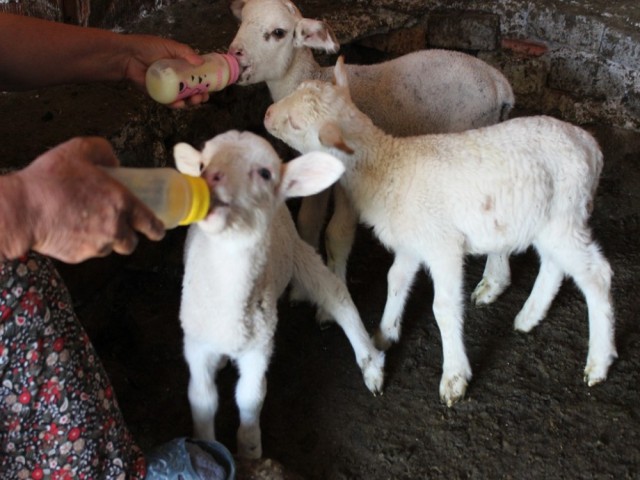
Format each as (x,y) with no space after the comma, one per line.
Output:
(36,53)
(64,206)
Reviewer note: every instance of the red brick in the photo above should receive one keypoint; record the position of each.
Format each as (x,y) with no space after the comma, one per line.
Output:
(527,48)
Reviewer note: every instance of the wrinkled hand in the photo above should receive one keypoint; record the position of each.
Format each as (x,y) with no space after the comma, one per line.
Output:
(148,49)
(75,210)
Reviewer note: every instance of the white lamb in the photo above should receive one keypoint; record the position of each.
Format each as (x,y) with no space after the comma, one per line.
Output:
(432,199)
(429,91)
(239,260)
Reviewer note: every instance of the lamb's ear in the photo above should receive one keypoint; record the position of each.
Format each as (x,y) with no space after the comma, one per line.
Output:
(309,174)
(293,10)
(236,8)
(330,135)
(340,77)
(188,159)
(315,34)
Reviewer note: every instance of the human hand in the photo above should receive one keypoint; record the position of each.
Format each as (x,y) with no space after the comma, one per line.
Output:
(74,210)
(146,49)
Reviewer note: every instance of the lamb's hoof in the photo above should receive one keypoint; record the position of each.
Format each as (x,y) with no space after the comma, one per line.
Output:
(373,372)
(452,389)
(383,342)
(596,372)
(249,443)
(525,321)
(324,319)
(487,292)
(250,452)
(264,468)
(592,379)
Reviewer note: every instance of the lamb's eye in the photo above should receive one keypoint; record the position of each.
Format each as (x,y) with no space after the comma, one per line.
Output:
(279,33)
(295,125)
(265,173)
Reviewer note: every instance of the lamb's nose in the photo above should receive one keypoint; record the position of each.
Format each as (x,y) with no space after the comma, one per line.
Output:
(213,178)
(267,117)
(235,51)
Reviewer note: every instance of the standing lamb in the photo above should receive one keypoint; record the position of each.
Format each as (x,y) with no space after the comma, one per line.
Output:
(429,91)
(494,190)
(239,260)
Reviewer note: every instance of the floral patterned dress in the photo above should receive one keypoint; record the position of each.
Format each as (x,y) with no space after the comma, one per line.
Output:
(59,417)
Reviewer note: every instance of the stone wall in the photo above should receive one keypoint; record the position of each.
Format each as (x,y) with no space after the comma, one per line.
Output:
(97,13)
(580,63)
(577,60)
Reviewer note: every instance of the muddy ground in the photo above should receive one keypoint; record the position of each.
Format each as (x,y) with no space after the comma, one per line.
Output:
(527,413)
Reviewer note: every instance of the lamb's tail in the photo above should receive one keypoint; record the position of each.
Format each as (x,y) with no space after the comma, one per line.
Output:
(505,92)
(505,110)
(596,158)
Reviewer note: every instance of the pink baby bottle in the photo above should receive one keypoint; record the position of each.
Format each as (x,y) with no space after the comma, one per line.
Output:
(169,80)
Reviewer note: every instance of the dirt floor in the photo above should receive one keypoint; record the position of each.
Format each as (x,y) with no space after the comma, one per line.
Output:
(527,413)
